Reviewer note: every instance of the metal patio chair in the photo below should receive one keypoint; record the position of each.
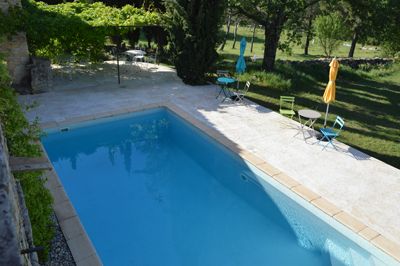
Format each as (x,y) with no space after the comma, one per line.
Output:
(286,106)
(238,96)
(332,133)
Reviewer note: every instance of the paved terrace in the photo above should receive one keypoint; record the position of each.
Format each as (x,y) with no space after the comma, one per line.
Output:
(363,186)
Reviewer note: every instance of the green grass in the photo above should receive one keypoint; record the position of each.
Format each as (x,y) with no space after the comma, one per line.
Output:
(315,50)
(368,98)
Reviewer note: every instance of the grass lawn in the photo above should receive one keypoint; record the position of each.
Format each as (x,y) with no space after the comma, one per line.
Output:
(369,101)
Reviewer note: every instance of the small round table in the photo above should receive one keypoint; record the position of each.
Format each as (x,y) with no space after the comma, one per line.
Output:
(224,82)
(311,117)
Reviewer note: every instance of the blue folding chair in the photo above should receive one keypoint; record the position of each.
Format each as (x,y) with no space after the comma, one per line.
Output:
(331,133)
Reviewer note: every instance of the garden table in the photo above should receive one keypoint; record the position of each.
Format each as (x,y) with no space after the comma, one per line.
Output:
(135,54)
(311,116)
(225,82)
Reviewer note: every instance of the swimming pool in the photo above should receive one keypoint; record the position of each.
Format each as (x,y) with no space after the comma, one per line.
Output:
(150,189)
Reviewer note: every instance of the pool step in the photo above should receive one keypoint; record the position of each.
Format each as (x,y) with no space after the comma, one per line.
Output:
(358,259)
(376,262)
(336,262)
(340,256)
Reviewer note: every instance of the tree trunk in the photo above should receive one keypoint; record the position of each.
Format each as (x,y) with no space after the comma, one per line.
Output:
(353,44)
(272,35)
(228,29)
(252,38)
(235,33)
(308,36)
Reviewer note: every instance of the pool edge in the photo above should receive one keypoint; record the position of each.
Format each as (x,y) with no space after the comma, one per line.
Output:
(376,239)
(78,241)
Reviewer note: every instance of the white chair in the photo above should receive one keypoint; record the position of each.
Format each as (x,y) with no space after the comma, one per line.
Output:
(238,96)
(223,73)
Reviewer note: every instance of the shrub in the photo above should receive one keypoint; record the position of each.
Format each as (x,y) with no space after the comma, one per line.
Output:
(21,137)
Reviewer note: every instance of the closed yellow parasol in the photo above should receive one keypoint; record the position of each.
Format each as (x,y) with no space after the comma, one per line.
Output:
(330,91)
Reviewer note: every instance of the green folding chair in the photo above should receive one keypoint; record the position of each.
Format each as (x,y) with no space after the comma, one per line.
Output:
(286,106)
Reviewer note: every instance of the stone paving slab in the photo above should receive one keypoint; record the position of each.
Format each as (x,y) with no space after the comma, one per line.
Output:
(361,185)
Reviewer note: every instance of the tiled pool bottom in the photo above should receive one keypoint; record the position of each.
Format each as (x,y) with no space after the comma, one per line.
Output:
(152,190)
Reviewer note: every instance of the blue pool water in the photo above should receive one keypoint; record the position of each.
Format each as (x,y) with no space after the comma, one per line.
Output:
(152,190)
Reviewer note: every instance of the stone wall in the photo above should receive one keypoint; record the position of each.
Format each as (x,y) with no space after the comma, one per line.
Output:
(16,51)
(352,62)
(15,227)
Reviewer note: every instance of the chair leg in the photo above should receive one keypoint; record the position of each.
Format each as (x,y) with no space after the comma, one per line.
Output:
(324,137)
(220,91)
(329,142)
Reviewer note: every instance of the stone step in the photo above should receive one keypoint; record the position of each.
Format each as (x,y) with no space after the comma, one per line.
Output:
(25,164)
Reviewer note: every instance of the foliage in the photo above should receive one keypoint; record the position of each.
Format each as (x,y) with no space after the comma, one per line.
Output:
(272,80)
(390,31)
(329,30)
(21,137)
(78,28)
(193,28)
(133,36)
(11,21)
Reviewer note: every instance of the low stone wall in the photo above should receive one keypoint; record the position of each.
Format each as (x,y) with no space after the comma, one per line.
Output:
(41,75)
(351,62)
(15,227)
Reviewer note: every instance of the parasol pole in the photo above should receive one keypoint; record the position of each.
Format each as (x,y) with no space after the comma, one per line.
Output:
(326,114)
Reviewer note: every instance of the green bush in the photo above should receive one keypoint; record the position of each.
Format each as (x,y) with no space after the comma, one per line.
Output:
(21,140)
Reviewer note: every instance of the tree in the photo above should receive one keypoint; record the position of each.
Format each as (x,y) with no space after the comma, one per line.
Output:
(193,27)
(237,22)
(359,17)
(252,37)
(329,30)
(272,14)
(310,15)
(389,32)
(228,28)
(133,35)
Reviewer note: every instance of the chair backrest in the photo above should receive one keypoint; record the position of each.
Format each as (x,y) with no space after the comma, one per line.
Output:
(246,87)
(339,123)
(286,102)
(223,73)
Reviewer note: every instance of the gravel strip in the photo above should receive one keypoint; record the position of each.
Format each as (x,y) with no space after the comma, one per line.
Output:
(59,252)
